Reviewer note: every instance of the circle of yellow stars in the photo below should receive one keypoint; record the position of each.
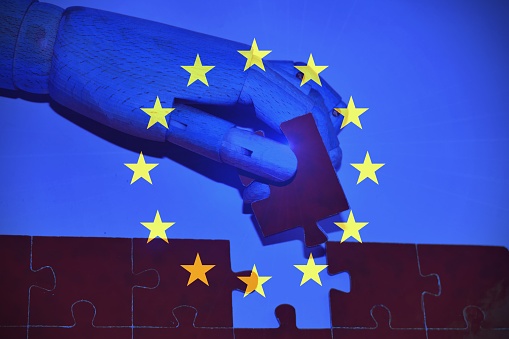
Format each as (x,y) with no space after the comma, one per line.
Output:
(160,115)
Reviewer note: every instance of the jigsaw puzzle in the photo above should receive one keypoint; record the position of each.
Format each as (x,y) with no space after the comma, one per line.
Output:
(84,327)
(98,270)
(420,291)
(18,278)
(212,296)
(64,287)
(380,274)
(287,328)
(313,194)
(469,276)
(382,329)
(184,318)
(474,318)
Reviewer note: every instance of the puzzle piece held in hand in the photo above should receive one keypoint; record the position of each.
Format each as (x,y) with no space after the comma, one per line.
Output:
(313,194)
(380,274)
(287,328)
(184,318)
(153,307)
(17,278)
(469,276)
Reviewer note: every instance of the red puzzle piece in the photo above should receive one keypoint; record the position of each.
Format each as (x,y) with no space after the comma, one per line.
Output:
(473,318)
(469,276)
(380,274)
(313,194)
(287,328)
(83,328)
(382,317)
(16,279)
(13,332)
(153,307)
(184,319)
(98,270)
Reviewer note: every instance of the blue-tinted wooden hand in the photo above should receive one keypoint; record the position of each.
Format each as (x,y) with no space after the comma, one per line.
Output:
(108,66)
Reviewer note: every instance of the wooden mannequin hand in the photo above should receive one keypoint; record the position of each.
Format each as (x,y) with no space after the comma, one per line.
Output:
(111,68)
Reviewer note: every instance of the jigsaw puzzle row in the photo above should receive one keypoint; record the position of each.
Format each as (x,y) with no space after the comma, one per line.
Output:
(63,287)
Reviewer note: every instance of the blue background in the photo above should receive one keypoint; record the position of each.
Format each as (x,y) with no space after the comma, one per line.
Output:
(434,75)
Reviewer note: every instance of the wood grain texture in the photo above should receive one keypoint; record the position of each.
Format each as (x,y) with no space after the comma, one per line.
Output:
(197,131)
(107,66)
(11,16)
(34,49)
(251,152)
(221,141)
(276,100)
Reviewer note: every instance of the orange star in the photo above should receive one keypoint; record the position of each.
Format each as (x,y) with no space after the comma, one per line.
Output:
(254,282)
(198,271)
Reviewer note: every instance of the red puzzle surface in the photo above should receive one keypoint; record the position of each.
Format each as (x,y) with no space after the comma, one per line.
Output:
(63,287)
(287,328)
(476,276)
(154,306)
(380,274)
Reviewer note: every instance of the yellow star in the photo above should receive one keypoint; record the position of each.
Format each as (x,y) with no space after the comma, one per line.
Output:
(254,282)
(367,169)
(157,114)
(141,169)
(310,271)
(311,71)
(254,56)
(351,228)
(197,71)
(351,114)
(157,228)
(198,271)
